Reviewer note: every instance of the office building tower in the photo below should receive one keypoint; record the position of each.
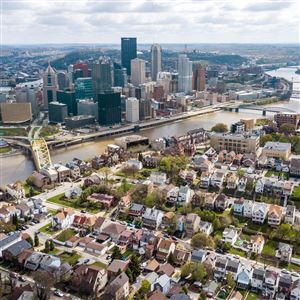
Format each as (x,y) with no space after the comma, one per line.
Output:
(109,108)
(62,80)
(128,52)
(174,83)
(70,74)
(102,76)
(145,109)
(57,112)
(155,61)
(158,92)
(15,113)
(164,79)
(132,110)
(83,88)
(185,74)
(198,78)
(50,86)
(32,98)
(83,67)
(88,107)
(79,121)
(138,75)
(68,97)
(120,75)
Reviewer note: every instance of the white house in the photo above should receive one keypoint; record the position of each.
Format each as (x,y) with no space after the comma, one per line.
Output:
(259,186)
(230,235)
(217,178)
(158,178)
(185,195)
(295,290)
(63,219)
(16,190)
(172,195)
(248,208)
(257,279)
(257,243)
(134,163)
(259,213)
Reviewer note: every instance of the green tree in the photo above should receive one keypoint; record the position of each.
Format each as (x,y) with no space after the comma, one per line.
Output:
(30,240)
(287,129)
(36,240)
(145,288)
(220,127)
(240,172)
(226,246)
(171,259)
(201,240)
(134,266)
(15,220)
(230,280)
(47,246)
(51,245)
(116,253)
(199,272)
(140,157)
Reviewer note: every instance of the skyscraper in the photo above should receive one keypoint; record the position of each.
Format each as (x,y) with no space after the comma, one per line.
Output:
(185,73)
(132,110)
(128,52)
(83,67)
(102,76)
(62,80)
(120,75)
(57,112)
(50,86)
(138,72)
(109,108)
(198,78)
(68,97)
(155,60)
(84,88)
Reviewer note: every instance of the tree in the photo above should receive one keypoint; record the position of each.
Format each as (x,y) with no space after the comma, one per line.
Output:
(106,171)
(201,240)
(226,246)
(199,273)
(134,266)
(283,232)
(47,246)
(220,127)
(145,288)
(230,280)
(116,253)
(140,157)
(171,259)
(30,241)
(51,245)
(15,220)
(36,240)
(287,129)
(240,172)
(43,283)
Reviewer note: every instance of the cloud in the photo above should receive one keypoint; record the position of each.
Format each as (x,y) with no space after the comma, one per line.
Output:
(268,6)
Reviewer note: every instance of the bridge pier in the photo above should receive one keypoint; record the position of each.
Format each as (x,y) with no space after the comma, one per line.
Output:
(237,109)
(264,112)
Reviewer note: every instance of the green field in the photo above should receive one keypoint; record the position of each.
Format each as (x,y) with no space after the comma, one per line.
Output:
(252,296)
(65,235)
(49,131)
(13,132)
(5,149)
(269,248)
(70,258)
(270,173)
(237,252)
(47,229)
(99,264)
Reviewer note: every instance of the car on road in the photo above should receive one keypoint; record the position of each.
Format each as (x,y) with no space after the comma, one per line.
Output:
(58,293)
(22,279)
(83,211)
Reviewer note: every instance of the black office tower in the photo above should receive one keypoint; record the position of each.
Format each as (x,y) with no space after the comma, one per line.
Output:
(68,97)
(109,108)
(128,52)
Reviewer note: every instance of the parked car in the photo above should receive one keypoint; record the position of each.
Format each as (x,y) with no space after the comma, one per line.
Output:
(58,293)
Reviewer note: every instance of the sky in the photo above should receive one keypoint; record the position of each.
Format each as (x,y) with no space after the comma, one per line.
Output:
(161,21)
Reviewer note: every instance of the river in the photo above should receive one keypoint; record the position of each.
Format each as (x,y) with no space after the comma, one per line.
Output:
(20,166)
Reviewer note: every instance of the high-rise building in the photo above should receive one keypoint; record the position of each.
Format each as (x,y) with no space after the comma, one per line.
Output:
(88,107)
(155,60)
(158,93)
(199,78)
(109,108)
(132,110)
(138,75)
(185,73)
(102,76)
(145,109)
(120,75)
(164,79)
(50,86)
(128,52)
(84,88)
(62,80)
(68,97)
(83,67)
(57,112)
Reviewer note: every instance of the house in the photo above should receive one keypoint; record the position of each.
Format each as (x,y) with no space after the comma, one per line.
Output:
(259,212)
(284,252)
(158,178)
(152,218)
(249,160)
(275,215)
(206,227)
(257,279)
(72,241)
(150,161)
(63,172)
(39,180)
(115,266)
(238,207)
(209,201)
(84,241)
(217,178)
(257,243)
(11,253)
(185,195)
(270,284)
(105,200)
(180,296)
(172,194)
(220,268)
(164,249)
(157,295)
(198,256)
(181,256)
(295,167)
(63,219)
(236,296)
(232,181)
(125,203)
(125,239)
(248,208)
(134,163)
(211,289)
(89,280)
(152,266)
(9,240)
(191,226)
(114,230)
(7,212)
(50,263)
(244,276)
(99,224)
(230,235)
(96,248)
(295,290)
(118,289)
(259,186)
(233,266)
(16,190)
(24,209)
(33,261)
(74,169)
(84,222)
(290,214)
(151,278)
(205,180)
(163,283)
(242,183)
(221,202)
(285,283)
(22,292)
(73,192)
(92,180)
(167,269)
(168,219)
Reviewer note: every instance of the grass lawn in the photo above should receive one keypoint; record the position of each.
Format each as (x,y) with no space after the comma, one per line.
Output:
(296,193)
(47,229)
(99,264)
(5,149)
(237,252)
(252,296)
(70,258)
(264,228)
(29,188)
(269,248)
(270,173)
(54,252)
(48,131)
(13,132)
(65,235)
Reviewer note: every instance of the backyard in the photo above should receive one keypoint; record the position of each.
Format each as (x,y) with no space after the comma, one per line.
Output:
(269,248)
(252,296)
(65,235)
(70,258)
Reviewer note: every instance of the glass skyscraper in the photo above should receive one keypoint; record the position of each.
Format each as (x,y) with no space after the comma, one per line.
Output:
(109,108)
(128,52)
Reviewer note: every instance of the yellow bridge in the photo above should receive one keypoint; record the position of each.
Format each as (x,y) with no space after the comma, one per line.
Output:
(40,154)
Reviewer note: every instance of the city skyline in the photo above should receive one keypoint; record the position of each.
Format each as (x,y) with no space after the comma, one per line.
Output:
(150,21)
